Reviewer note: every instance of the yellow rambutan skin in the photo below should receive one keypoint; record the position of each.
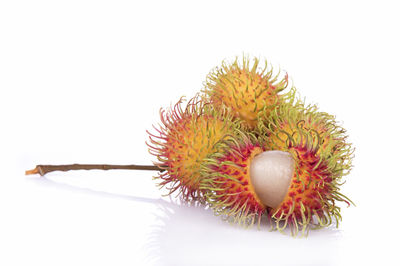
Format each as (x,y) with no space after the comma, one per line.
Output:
(245,88)
(185,138)
(298,118)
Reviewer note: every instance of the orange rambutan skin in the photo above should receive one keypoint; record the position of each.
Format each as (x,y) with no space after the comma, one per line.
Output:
(184,140)
(246,90)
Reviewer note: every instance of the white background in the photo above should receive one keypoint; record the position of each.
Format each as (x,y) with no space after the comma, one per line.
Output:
(81,81)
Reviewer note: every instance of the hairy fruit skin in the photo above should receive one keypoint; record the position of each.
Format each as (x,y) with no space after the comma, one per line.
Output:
(322,157)
(226,176)
(183,140)
(244,88)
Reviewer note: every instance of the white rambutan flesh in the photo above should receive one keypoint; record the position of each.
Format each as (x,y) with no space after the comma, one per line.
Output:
(271,173)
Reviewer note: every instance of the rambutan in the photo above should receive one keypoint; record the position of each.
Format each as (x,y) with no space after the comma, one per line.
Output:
(183,140)
(246,88)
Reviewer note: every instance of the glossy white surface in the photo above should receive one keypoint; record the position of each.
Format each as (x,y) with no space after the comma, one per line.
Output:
(81,81)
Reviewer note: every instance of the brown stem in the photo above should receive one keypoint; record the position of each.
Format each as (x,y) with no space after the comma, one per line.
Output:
(44,169)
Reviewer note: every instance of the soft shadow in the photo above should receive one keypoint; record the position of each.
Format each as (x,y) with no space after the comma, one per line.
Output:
(43,181)
(185,234)
(191,235)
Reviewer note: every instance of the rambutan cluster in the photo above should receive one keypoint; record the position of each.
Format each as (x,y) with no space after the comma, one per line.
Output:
(207,148)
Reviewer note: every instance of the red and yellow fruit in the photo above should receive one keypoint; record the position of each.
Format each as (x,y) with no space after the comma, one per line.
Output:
(245,88)
(183,140)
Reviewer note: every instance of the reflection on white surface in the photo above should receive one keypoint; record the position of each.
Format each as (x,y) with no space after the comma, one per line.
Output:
(190,235)
(180,234)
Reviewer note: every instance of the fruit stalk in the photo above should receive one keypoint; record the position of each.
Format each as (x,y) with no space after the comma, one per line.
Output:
(44,169)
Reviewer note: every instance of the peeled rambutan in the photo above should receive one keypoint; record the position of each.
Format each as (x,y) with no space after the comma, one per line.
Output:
(322,157)
(246,88)
(183,140)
